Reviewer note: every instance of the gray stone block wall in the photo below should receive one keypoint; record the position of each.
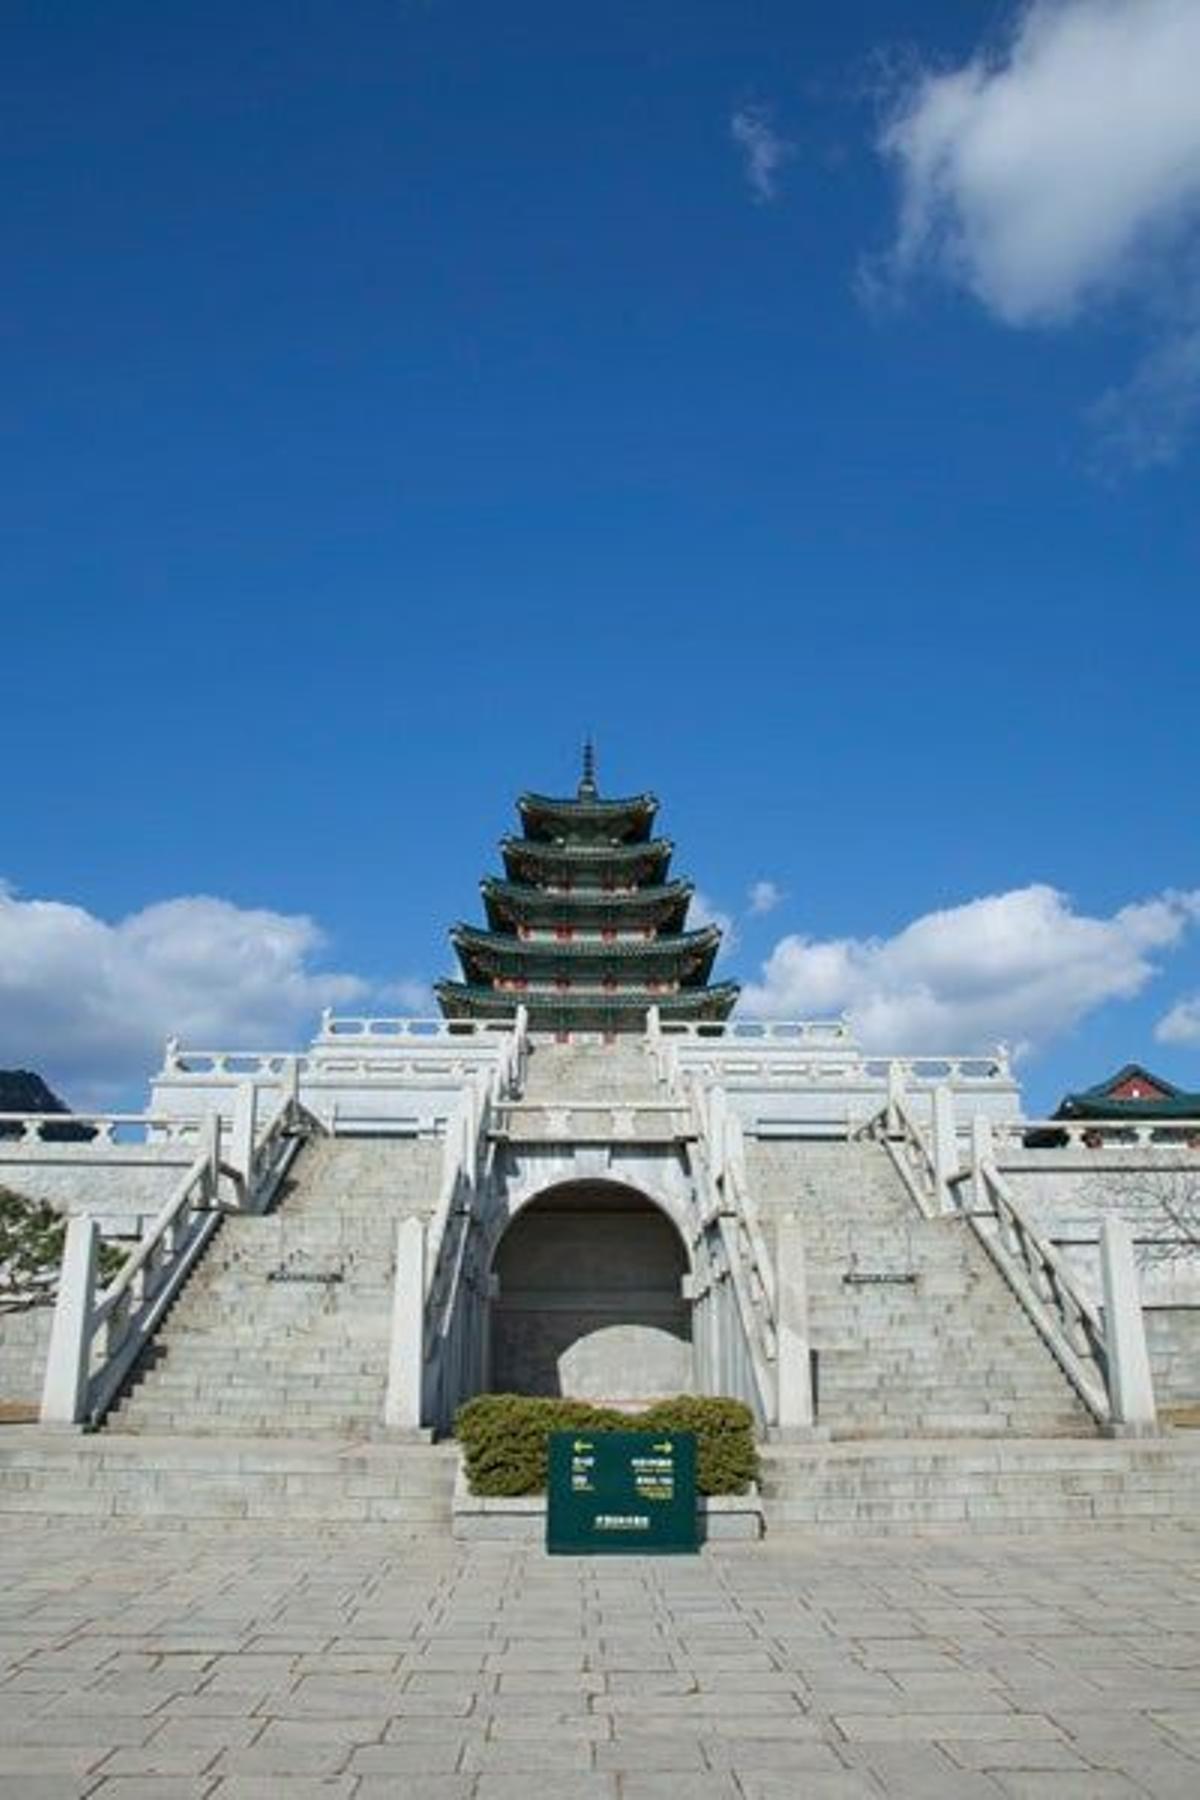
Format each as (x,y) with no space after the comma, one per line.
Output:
(1173,1339)
(24,1340)
(74,1178)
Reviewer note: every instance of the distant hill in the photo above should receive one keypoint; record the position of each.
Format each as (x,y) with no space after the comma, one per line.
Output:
(21,1091)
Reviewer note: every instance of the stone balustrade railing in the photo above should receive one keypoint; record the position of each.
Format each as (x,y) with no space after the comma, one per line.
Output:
(337,1026)
(1104,1358)
(727,1238)
(435,1266)
(782,1031)
(95,1131)
(1012,1135)
(813,1052)
(237,1065)
(579,1121)
(1044,1283)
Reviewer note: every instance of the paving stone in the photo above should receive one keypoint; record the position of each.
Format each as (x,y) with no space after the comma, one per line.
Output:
(1096,1784)
(746,1671)
(758,1784)
(269,1787)
(159,1758)
(679,1787)
(414,1787)
(422,1757)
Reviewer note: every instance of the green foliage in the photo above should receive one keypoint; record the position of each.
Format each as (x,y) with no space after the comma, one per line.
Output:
(31,1246)
(504,1438)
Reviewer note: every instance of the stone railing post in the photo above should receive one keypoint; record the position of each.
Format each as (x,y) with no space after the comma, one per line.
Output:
(1130,1386)
(794,1398)
(210,1138)
(64,1392)
(945,1144)
(406,1357)
(241,1137)
(982,1153)
(895,1095)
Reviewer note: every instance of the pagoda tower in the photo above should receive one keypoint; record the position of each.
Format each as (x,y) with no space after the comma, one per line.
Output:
(586,930)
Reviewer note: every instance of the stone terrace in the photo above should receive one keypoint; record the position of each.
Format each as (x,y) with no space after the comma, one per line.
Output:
(230,1665)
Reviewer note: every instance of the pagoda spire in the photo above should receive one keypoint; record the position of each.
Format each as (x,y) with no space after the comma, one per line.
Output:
(587,787)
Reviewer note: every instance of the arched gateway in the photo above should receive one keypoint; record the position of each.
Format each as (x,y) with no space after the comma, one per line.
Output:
(589,1297)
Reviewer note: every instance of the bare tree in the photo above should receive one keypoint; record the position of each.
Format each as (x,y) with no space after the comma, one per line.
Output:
(1162,1207)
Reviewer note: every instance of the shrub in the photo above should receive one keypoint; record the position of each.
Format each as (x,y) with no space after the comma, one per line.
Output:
(503,1437)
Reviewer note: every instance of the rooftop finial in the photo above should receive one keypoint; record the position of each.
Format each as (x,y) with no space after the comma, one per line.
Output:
(587,786)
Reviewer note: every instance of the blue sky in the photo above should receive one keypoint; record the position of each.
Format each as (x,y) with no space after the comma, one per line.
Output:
(802,404)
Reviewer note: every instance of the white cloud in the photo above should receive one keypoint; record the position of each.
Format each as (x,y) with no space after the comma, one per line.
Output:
(1182,1024)
(90,1003)
(705,911)
(414,998)
(1021,966)
(1061,170)
(764,150)
(764,897)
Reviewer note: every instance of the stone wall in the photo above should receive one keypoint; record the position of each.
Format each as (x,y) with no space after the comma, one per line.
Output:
(120,1188)
(24,1340)
(1173,1339)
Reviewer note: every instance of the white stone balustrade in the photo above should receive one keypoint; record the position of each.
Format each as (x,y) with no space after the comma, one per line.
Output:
(99,1130)
(582,1121)
(337,1026)
(1090,1135)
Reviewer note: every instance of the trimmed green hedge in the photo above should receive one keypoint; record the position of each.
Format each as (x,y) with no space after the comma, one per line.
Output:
(503,1437)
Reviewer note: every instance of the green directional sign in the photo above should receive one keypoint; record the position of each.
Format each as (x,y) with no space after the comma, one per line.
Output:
(621,1491)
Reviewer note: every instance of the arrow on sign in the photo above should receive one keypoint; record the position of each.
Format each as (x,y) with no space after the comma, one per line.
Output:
(582,1444)
(665,1448)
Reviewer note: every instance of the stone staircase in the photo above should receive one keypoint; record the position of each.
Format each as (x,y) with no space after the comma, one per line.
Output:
(915,1332)
(284,1329)
(185,1481)
(1010,1485)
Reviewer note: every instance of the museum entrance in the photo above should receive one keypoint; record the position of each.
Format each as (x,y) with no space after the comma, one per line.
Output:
(588,1298)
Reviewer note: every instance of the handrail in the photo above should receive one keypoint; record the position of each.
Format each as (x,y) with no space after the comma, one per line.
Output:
(725,1208)
(95,1128)
(465,1167)
(908,1149)
(335,1026)
(1042,1280)
(97,1336)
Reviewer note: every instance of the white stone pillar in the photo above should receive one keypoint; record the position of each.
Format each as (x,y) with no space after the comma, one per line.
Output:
(945,1143)
(241,1137)
(1130,1387)
(793,1362)
(64,1391)
(895,1094)
(406,1359)
(291,1080)
(982,1152)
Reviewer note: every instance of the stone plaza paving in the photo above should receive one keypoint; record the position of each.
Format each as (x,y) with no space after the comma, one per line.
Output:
(230,1664)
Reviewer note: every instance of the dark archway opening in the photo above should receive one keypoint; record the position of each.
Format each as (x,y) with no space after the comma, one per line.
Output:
(589,1299)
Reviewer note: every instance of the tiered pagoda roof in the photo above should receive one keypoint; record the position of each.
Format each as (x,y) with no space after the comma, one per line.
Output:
(586,931)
